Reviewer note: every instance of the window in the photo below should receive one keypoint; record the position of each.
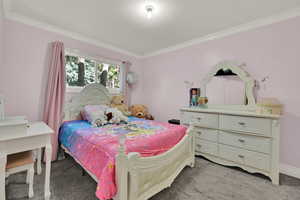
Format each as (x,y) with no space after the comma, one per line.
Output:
(81,71)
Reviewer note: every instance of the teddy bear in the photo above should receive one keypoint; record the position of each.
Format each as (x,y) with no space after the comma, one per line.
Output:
(140,111)
(118,102)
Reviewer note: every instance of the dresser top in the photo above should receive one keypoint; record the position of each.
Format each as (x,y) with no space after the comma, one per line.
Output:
(39,128)
(228,111)
(33,129)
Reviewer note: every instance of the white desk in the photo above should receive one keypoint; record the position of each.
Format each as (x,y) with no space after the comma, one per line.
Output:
(38,136)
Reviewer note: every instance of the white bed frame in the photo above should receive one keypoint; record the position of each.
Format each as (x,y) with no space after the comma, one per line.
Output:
(137,178)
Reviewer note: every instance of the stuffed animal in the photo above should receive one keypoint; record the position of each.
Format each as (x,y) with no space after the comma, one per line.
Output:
(114,116)
(140,111)
(118,102)
(98,118)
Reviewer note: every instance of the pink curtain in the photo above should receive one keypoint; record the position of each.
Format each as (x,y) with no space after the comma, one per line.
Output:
(55,93)
(126,66)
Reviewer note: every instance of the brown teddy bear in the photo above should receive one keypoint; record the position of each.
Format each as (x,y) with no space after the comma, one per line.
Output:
(140,111)
(118,102)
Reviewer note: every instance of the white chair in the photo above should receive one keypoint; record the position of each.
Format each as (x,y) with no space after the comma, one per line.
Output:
(20,162)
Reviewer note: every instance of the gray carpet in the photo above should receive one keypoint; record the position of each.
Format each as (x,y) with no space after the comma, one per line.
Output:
(207,181)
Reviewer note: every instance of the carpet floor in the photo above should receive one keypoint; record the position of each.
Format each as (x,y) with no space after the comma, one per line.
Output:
(207,181)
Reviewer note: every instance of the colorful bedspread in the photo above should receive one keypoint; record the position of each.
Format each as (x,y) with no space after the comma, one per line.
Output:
(96,148)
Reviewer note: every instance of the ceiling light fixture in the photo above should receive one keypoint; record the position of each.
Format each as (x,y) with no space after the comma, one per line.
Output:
(149,11)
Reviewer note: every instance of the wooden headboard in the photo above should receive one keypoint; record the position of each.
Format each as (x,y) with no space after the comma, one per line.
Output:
(93,94)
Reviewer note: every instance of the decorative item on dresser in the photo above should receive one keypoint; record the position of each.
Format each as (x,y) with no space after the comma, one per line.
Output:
(236,135)
(269,106)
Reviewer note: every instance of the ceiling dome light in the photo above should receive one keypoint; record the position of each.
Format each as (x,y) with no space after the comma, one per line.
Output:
(149,11)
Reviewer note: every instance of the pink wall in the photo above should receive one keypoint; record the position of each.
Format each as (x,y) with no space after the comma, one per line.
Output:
(1,35)
(23,79)
(269,51)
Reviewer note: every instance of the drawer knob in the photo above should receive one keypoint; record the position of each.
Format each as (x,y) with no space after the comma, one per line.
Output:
(241,140)
(199,132)
(241,156)
(199,118)
(242,123)
(199,145)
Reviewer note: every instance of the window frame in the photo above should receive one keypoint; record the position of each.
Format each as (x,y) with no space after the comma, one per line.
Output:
(113,91)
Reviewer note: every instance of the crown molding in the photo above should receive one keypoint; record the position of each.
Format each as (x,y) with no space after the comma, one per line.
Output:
(231,31)
(218,35)
(76,36)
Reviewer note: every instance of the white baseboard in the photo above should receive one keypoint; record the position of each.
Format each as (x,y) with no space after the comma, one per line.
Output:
(290,170)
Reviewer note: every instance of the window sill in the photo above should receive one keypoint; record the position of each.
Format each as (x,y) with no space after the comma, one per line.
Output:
(75,89)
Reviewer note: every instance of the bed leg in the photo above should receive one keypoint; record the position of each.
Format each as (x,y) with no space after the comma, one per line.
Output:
(83,172)
(61,153)
(192,164)
(122,170)
(191,134)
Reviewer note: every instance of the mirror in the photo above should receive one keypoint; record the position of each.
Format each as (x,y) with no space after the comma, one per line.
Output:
(229,90)
(232,88)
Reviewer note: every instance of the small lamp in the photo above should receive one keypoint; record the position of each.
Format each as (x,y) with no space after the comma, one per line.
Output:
(131,78)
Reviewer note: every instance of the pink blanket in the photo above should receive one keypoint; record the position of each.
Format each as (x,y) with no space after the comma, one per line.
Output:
(96,148)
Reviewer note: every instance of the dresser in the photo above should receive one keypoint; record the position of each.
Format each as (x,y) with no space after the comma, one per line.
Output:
(237,138)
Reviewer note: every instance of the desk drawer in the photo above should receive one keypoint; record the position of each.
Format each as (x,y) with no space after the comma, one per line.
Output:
(207,134)
(201,119)
(245,157)
(260,126)
(252,143)
(203,146)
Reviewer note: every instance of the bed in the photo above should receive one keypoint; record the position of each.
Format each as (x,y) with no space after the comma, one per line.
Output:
(131,161)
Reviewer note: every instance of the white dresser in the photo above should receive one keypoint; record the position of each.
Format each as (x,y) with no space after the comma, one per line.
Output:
(237,138)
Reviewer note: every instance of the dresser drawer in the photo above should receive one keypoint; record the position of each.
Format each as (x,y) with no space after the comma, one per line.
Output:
(207,134)
(201,119)
(203,146)
(260,126)
(245,157)
(253,143)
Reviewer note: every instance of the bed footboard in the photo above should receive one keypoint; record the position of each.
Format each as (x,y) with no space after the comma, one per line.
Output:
(139,178)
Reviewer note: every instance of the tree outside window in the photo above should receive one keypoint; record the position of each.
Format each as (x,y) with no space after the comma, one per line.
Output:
(82,71)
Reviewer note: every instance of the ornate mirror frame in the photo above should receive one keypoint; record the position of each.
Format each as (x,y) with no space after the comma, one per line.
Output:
(241,73)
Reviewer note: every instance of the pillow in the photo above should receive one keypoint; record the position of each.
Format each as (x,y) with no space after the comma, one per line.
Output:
(88,110)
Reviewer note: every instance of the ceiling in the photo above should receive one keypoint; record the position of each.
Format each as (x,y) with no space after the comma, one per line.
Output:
(124,25)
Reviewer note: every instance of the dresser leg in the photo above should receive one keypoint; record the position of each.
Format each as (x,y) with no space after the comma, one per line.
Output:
(39,161)
(3,160)
(48,152)
(27,176)
(275,179)
(30,175)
